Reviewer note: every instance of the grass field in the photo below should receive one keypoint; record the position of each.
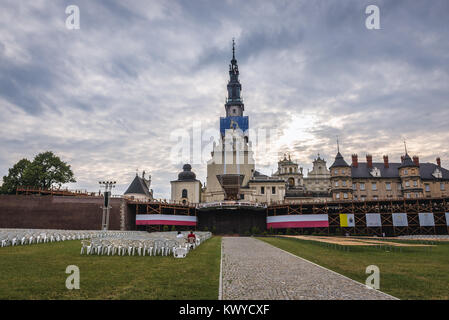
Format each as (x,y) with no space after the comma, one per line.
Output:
(38,272)
(410,274)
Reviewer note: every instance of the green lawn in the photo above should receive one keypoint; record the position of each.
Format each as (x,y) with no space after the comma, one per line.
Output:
(38,272)
(410,274)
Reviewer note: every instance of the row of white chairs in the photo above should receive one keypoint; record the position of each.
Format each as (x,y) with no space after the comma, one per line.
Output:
(15,237)
(425,236)
(147,244)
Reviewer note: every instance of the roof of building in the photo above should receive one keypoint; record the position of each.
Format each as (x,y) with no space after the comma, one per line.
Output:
(260,177)
(187,174)
(407,162)
(426,170)
(339,161)
(138,186)
(289,193)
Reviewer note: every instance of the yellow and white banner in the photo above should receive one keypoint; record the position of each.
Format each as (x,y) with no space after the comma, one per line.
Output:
(347,220)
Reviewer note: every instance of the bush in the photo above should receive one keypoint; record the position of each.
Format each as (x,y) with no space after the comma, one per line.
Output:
(165,228)
(246,233)
(173,228)
(289,231)
(254,230)
(214,229)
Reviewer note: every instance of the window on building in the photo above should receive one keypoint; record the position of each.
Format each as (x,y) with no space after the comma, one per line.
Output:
(355,198)
(375,197)
(407,184)
(408,195)
(354,186)
(442,186)
(363,198)
(415,183)
(337,196)
(374,186)
(262,190)
(427,187)
(184,193)
(362,186)
(388,186)
(416,195)
(290,170)
(344,183)
(399,186)
(345,195)
(343,171)
(405,171)
(273,190)
(336,183)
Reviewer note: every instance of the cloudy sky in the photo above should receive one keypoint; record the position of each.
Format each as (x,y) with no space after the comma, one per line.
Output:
(107,98)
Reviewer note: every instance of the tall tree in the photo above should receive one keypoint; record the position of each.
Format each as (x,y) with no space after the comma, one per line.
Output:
(15,177)
(45,171)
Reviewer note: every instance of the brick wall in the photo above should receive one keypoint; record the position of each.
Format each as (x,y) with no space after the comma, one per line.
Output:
(53,212)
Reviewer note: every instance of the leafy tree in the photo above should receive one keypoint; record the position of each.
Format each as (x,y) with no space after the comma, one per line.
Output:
(45,171)
(15,177)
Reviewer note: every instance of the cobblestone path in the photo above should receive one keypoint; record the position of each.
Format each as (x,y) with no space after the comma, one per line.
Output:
(253,269)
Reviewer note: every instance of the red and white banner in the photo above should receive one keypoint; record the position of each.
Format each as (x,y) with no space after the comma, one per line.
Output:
(298,221)
(165,219)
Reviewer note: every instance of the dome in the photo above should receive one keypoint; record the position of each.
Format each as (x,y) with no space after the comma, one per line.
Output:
(187,174)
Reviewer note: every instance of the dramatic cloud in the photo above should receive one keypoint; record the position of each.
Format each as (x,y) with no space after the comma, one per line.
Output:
(108,97)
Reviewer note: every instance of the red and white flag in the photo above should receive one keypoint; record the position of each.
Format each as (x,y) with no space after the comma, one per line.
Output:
(298,221)
(165,219)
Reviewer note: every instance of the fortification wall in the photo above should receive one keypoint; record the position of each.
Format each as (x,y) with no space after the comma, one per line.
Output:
(55,212)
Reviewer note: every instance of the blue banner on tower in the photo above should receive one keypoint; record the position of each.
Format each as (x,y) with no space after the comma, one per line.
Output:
(241,123)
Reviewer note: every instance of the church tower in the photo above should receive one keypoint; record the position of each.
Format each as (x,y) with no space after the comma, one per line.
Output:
(234,104)
(232,155)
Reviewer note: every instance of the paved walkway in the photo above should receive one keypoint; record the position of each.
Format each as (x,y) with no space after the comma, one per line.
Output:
(253,269)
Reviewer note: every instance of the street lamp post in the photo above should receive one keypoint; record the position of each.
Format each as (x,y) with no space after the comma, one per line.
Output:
(108,185)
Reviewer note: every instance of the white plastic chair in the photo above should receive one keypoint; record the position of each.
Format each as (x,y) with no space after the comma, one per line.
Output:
(180,252)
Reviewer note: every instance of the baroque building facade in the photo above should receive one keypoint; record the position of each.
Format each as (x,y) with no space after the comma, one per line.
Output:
(318,179)
(408,179)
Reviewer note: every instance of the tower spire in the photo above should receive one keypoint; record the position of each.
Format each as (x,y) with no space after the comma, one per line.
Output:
(234,102)
(405,147)
(338,146)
